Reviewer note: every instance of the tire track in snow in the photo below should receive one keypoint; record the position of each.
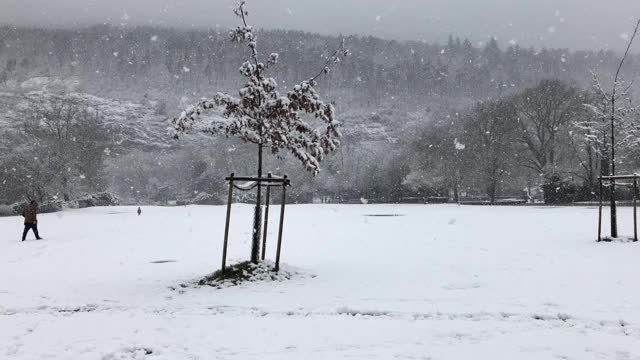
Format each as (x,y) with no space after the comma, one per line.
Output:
(560,320)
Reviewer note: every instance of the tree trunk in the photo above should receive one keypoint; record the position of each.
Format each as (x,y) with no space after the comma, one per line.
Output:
(591,170)
(614,216)
(492,191)
(456,194)
(257,215)
(65,189)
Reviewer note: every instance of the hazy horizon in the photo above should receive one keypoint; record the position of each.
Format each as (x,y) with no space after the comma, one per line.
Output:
(542,23)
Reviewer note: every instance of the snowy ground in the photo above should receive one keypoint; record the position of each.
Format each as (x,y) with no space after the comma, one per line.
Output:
(439,282)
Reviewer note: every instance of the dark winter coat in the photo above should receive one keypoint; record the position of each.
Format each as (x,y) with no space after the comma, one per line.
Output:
(30,215)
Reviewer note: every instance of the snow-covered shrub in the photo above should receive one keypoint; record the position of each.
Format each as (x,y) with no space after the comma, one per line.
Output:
(99,199)
(43,208)
(558,191)
(203,198)
(6,210)
(51,206)
(19,207)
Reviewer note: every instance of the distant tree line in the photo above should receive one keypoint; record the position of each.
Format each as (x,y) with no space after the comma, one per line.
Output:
(130,62)
(544,141)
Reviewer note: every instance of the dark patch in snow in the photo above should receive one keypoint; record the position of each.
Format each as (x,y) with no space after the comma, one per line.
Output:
(618,240)
(132,353)
(384,215)
(353,312)
(78,309)
(163,261)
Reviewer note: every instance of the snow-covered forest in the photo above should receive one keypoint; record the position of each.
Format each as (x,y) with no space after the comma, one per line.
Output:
(411,115)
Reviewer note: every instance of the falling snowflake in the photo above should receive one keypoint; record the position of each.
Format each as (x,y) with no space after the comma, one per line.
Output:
(154,38)
(378,18)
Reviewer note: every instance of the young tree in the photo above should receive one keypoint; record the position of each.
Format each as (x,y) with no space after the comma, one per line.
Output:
(616,113)
(588,140)
(260,115)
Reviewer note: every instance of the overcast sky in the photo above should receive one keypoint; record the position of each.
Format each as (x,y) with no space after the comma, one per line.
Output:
(577,24)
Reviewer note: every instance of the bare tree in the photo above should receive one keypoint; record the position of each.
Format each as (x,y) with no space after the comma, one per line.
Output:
(261,116)
(437,158)
(545,112)
(588,139)
(66,135)
(491,129)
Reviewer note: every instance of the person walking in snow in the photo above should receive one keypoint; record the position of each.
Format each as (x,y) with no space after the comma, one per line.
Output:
(30,215)
(139,211)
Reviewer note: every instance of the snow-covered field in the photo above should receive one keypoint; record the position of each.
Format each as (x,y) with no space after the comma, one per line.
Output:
(438,282)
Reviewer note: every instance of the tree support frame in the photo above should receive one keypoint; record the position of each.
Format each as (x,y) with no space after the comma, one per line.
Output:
(251,183)
(612,180)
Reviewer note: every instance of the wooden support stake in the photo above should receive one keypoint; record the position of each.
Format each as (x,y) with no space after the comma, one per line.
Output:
(266,220)
(635,209)
(226,226)
(600,213)
(284,200)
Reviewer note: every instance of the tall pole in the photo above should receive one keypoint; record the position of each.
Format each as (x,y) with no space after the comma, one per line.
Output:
(283,201)
(614,216)
(226,224)
(635,209)
(257,215)
(266,219)
(600,210)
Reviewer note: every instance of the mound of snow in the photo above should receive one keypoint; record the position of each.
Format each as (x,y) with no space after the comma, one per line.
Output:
(248,273)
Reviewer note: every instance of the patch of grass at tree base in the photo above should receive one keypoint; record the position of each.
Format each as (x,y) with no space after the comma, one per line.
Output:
(246,272)
(235,273)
